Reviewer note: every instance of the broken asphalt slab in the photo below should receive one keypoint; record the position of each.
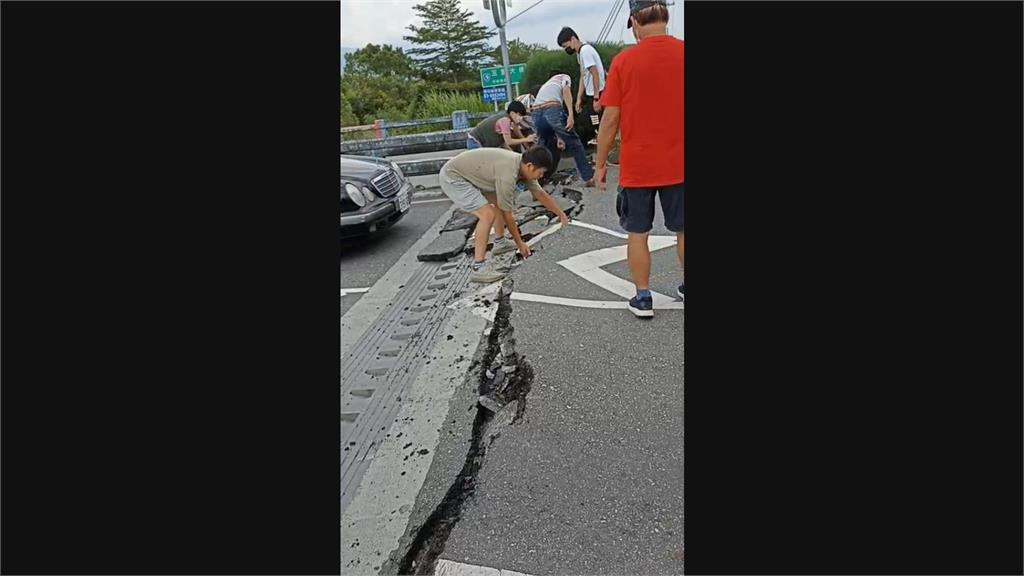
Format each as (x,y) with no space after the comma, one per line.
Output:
(455,235)
(446,245)
(460,221)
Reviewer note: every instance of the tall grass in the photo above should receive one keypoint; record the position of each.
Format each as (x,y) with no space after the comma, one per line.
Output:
(437,103)
(432,104)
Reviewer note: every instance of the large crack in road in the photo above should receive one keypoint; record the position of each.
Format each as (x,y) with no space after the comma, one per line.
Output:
(501,374)
(504,380)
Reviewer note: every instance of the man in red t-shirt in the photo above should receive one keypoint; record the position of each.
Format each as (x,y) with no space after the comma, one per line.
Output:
(643,98)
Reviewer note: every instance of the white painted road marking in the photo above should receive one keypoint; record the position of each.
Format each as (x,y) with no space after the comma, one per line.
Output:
(600,229)
(347,291)
(577,303)
(588,266)
(545,233)
(449,568)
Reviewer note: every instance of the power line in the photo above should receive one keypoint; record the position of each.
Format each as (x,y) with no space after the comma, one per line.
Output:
(606,28)
(519,14)
(604,25)
(615,19)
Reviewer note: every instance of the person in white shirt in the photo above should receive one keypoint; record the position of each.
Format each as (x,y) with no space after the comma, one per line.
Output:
(551,122)
(592,74)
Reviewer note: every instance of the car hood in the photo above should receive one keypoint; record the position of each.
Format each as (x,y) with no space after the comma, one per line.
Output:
(362,168)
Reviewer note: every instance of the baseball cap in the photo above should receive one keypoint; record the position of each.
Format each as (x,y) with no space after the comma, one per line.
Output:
(637,5)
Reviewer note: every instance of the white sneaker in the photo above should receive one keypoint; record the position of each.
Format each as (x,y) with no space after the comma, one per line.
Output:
(503,245)
(487,274)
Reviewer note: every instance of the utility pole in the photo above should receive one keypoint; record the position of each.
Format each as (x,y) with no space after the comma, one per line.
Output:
(498,10)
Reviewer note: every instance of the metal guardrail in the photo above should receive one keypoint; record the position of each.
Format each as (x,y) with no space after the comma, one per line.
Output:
(458,119)
(408,144)
(385,145)
(422,167)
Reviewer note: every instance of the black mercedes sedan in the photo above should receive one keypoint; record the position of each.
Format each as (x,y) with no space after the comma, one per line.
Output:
(374,195)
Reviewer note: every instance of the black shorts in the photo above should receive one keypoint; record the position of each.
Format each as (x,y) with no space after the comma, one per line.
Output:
(588,111)
(635,207)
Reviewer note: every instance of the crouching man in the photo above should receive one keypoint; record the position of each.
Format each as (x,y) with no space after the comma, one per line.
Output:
(482,182)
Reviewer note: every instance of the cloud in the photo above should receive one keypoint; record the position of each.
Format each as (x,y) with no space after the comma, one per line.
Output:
(385,21)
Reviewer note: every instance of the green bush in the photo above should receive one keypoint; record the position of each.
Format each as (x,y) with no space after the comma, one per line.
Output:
(541,63)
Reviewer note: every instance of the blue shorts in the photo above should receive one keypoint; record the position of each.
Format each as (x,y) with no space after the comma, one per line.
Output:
(471,144)
(635,207)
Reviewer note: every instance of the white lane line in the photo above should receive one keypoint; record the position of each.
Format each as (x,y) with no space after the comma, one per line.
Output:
(547,232)
(445,199)
(600,229)
(347,291)
(588,266)
(449,568)
(602,304)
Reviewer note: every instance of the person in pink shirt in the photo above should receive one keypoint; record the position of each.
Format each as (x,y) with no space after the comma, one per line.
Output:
(500,130)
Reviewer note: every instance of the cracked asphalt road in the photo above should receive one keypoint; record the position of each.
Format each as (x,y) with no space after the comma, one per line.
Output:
(590,481)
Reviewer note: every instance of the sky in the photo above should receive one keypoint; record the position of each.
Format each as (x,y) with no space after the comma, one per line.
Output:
(384,21)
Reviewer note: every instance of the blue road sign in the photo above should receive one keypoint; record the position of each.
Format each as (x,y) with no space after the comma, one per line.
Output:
(495,94)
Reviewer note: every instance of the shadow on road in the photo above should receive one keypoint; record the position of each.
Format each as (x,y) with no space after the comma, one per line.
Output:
(351,247)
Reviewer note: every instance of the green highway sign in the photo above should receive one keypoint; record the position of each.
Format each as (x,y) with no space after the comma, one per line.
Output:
(495,76)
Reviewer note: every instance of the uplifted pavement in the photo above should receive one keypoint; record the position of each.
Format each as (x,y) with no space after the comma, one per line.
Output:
(590,479)
(416,349)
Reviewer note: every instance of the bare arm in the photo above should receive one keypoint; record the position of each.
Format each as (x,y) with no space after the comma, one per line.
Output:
(567,96)
(513,228)
(597,87)
(510,141)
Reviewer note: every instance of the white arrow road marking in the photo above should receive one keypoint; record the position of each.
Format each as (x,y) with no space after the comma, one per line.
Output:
(347,291)
(588,266)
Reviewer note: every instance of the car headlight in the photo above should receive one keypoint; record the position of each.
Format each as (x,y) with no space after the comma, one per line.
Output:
(355,195)
(394,166)
(370,197)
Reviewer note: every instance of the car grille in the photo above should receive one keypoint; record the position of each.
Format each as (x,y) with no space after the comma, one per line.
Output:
(387,184)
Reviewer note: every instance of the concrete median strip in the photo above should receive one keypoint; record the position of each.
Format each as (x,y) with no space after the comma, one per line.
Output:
(379,515)
(415,349)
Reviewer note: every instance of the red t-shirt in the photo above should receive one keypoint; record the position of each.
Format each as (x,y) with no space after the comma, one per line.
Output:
(646,83)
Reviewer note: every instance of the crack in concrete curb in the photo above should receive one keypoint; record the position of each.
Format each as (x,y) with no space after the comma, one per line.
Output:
(504,379)
(499,351)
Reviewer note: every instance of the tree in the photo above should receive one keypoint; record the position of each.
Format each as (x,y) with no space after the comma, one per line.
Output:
(379,82)
(373,97)
(380,61)
(450,45)
(348,116)
(519,52)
